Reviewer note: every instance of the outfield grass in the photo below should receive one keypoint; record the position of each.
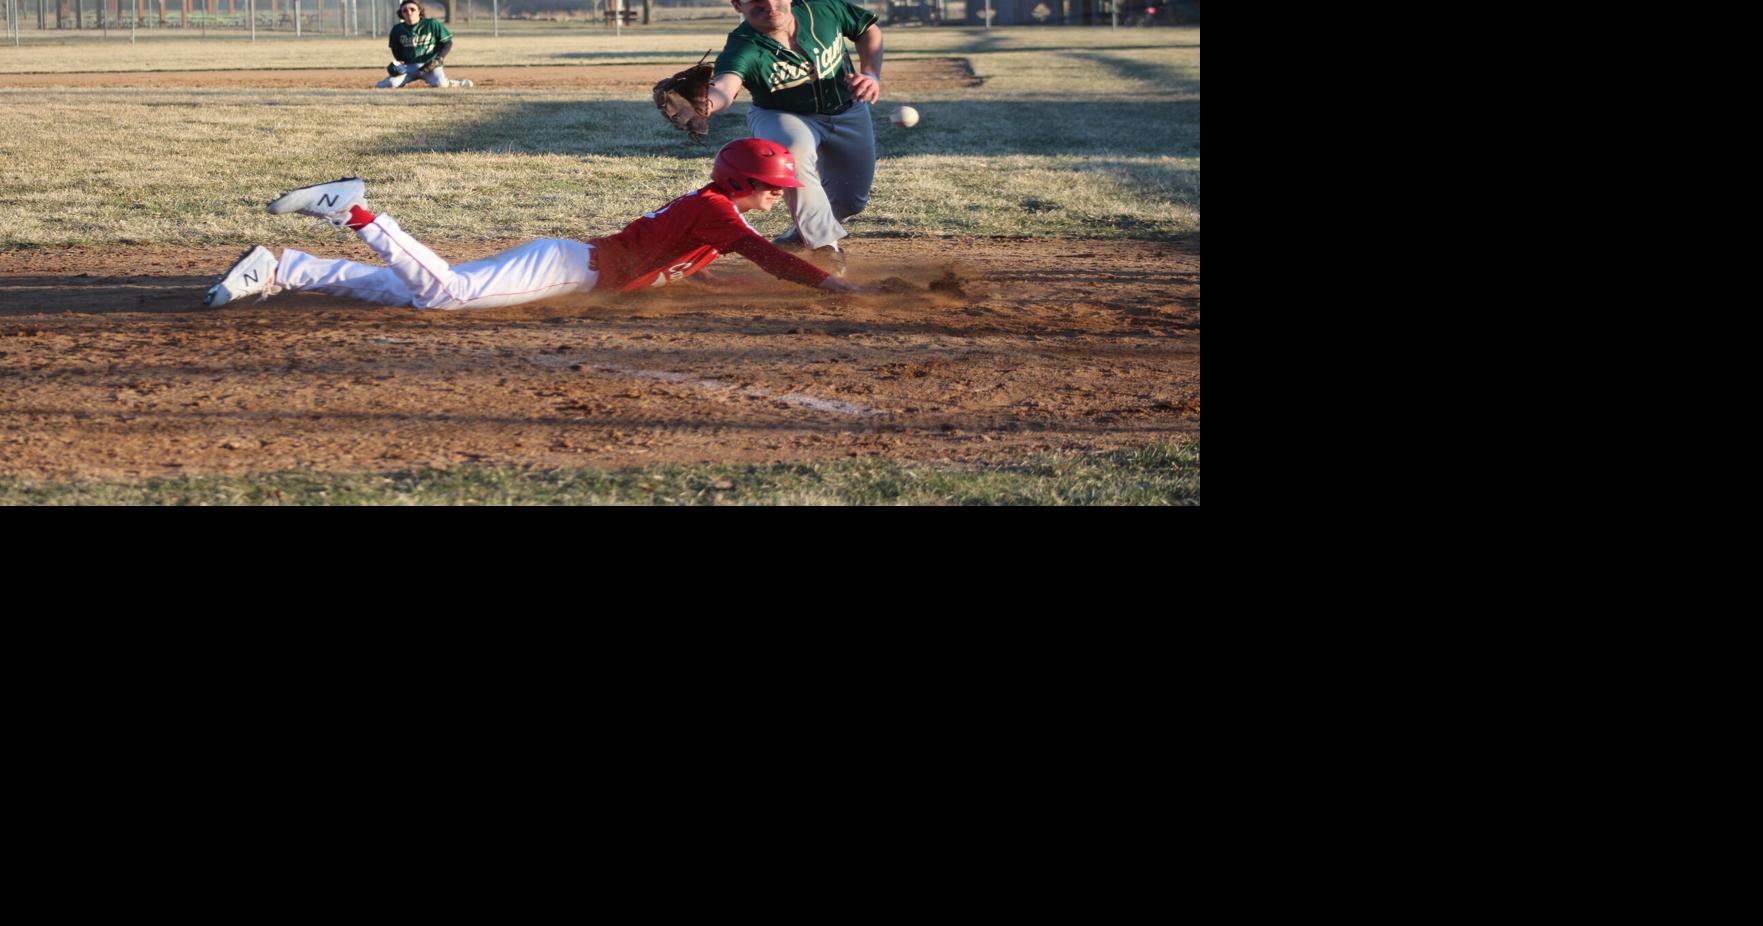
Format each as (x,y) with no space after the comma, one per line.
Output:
(528,44)
(1159,474)
(1075,133)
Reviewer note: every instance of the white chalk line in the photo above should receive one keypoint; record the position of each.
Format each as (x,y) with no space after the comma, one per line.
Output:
(794,399)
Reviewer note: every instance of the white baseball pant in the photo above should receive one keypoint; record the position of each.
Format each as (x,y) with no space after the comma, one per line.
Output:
(417,277)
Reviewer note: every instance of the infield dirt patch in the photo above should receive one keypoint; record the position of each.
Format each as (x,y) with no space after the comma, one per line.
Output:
(110,370)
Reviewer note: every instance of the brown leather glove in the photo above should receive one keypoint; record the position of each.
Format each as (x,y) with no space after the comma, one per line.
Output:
(684,100)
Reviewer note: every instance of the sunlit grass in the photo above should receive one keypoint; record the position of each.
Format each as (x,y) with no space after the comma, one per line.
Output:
(1160,474)
(1114,153)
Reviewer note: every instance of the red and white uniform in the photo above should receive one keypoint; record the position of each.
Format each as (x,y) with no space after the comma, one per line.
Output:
(683,237)
(671,243)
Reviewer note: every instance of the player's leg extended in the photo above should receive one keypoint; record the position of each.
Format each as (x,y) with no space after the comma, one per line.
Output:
(538,269)
(809,207)
(847,160)
(438,78)
(302,272)
(397,80)
(533,271)
(428,278)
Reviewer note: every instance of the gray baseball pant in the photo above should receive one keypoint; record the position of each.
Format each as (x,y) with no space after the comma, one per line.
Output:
(435,78)
(835,161)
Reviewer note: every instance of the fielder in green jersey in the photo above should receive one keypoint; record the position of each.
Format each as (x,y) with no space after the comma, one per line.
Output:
(804,72)
(419,46)
(793,57)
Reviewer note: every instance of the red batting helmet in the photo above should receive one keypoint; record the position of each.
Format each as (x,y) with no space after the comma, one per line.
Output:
(744,160)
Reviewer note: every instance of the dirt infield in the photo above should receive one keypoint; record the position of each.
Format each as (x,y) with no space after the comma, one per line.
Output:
(995,349)
(904,76)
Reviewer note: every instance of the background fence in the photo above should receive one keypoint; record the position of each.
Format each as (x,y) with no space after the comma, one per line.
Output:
(45,18)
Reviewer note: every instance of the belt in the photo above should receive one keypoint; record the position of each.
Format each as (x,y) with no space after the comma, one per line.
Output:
(842,109)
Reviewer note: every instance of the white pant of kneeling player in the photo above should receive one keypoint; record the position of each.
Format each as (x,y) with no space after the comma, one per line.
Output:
(434,78)
(417,277)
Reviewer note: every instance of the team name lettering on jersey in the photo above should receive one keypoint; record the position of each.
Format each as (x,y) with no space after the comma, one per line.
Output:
(675,272)
(828,58)
(785,75)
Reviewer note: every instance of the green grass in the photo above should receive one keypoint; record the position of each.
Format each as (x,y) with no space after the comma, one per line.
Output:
(1158,474)
(1075,133)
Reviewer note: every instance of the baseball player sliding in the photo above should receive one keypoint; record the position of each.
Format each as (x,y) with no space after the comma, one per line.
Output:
(669,244)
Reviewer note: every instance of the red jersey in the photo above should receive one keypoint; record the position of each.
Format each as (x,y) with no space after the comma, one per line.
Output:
(682,238)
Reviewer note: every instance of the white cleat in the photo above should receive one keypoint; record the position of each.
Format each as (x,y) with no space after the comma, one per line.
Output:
(328,201)
(250,275)
(462,83)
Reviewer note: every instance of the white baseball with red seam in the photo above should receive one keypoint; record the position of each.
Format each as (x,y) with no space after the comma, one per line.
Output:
(905,117)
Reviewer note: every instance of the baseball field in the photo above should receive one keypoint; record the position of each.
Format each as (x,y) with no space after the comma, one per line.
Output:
(1038,233)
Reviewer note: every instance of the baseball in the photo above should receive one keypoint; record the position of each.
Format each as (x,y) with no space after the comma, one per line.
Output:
(905,117)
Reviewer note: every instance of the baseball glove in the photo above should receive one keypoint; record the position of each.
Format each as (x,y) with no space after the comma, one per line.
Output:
(684,99)
(395,69)
(428,68)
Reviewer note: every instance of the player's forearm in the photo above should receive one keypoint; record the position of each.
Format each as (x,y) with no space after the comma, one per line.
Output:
(778,262)
(719,101)
(722,92)
(869,52)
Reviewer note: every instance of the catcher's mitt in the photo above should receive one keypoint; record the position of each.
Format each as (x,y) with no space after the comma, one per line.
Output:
(395,69)
(684,99)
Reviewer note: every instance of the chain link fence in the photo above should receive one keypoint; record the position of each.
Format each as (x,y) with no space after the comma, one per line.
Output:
(346,17)
(44,18)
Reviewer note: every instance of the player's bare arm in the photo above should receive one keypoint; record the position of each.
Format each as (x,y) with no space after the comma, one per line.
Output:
(866,84)
(723,90)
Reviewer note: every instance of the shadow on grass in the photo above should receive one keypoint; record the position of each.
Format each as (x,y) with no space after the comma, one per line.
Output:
(1131,69)
(614,128)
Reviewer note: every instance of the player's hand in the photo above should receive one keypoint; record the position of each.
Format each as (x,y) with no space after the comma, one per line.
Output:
(864,87)
(838,285)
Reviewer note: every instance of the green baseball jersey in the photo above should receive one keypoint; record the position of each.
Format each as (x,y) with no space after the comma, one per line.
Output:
(781,78)
(416,44)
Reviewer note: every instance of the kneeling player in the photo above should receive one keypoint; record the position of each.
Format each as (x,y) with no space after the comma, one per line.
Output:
(671,243)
